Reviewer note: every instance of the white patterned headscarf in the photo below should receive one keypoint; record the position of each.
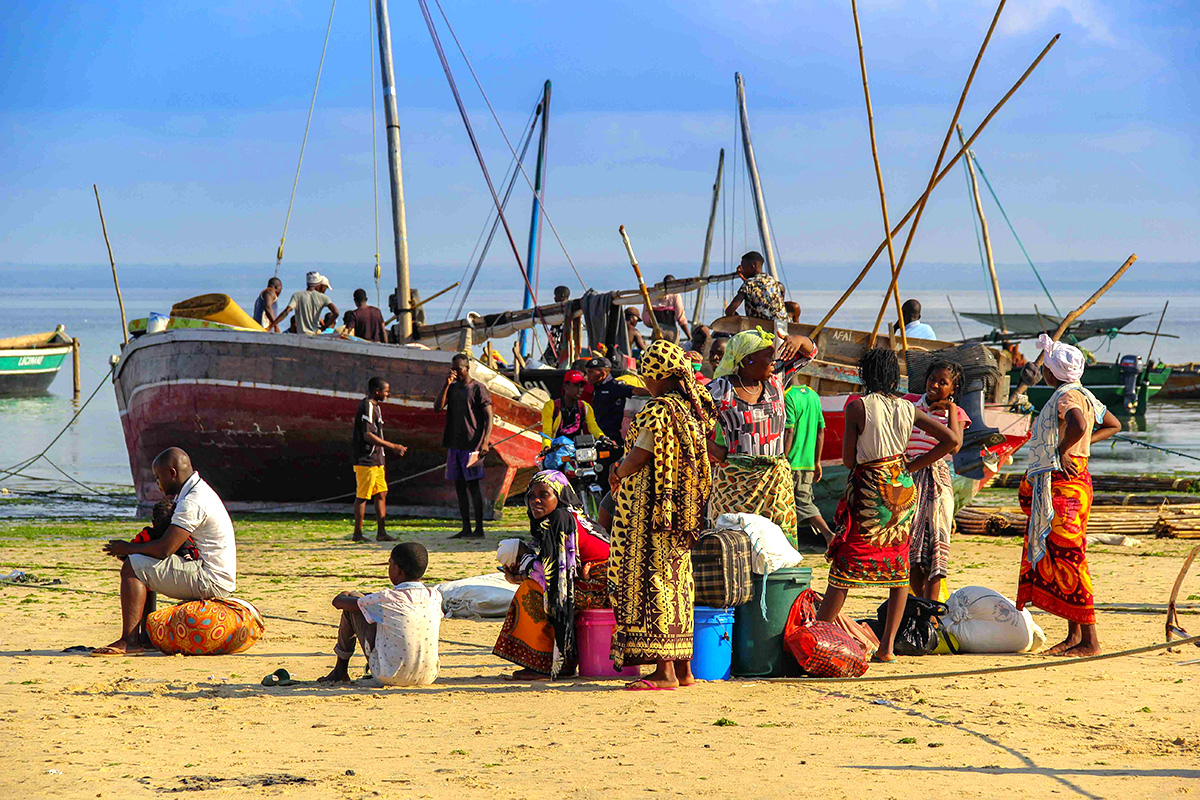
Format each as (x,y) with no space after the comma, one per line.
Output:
(1064,361)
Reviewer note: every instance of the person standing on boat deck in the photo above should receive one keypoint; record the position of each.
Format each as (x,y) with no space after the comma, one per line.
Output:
(265,305)
(1056,494)
(556,349)
(369,458)
(366,321)
(155,566)
(670,314)
(913,327)
(762,293)
(468,407)
(309,304)
(636,343)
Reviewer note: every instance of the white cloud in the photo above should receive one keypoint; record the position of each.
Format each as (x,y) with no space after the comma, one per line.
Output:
(1032,14)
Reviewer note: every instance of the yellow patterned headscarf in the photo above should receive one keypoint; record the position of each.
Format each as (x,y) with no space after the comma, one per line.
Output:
(740,347)
(664,359)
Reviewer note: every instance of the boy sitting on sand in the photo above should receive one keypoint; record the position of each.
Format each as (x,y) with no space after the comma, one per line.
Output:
(397,627)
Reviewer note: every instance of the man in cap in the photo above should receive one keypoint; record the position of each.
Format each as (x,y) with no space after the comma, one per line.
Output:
(309,304)
(609,396)
(569,415)
(1057,495)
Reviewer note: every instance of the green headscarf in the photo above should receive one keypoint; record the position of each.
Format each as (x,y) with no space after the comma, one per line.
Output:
(741,347)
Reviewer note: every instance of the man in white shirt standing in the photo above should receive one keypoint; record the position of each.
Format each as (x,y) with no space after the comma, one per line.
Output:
(309,304)
(152,567)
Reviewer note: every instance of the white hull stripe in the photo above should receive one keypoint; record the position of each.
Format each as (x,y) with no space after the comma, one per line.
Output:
(29,371)
(497,421)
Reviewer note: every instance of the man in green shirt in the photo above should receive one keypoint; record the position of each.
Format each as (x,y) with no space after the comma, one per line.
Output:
(804,438)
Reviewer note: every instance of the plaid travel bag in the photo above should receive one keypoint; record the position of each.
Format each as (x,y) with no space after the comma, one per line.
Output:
(721,561)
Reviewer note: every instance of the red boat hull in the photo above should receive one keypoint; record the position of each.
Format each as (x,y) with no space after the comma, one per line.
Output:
(268,419)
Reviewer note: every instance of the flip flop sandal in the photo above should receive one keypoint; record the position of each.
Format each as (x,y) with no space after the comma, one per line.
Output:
(78,648)
(644,685)
(280,677)
(112,651)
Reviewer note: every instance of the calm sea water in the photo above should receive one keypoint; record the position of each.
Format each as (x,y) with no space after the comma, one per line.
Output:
(93,449)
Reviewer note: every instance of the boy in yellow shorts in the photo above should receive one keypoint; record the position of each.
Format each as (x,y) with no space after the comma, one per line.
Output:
(369,456)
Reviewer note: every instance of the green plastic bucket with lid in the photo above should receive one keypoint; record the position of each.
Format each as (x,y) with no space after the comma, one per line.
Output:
(757,639)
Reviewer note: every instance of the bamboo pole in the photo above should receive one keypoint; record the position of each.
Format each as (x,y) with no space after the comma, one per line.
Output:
(1074,315)
(987,239)
(962,98)
(1156,330)
(708,237)
(76,376)
(940,176)
(658,334)
(410,309)
(887,228)
(113,264)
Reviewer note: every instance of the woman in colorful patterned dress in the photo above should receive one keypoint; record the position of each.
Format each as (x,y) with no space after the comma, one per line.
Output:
(873,518)
(564,572)
(752,473)
(1056,493)
(660,487)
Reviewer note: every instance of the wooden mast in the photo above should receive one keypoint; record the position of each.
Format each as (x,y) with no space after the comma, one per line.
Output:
(760,208)
(395,175)
(987,240)
(708,237)
(536,214)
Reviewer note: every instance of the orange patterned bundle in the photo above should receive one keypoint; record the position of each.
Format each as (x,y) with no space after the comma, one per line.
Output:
(205,627)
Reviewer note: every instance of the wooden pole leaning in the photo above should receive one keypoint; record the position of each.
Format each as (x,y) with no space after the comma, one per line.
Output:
(933,176)
(940,177)
(1156,330)
(1074,315)
(887,227)
(113,264)
(658,334)
(708,236)
(987,238)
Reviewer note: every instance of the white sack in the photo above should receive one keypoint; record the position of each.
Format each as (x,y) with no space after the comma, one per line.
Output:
(772,550)
(472,598)
(985,621)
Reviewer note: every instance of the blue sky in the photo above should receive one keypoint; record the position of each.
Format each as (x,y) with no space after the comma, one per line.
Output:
(190,118)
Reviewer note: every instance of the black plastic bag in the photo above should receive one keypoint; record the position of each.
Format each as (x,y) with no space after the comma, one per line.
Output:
(919,629)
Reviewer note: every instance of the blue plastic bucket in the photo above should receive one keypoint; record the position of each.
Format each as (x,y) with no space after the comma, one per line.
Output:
(712,649)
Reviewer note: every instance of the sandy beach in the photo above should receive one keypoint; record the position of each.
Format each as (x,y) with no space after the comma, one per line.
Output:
(76,726)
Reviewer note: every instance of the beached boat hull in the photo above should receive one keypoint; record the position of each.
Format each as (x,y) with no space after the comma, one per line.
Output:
(267,418)
(1184,383)
(30,363)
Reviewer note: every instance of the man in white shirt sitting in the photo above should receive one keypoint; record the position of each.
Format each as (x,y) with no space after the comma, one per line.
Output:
(152,567)
(397,628)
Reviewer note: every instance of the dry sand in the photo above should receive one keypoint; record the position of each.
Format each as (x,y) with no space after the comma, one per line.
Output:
(74,726)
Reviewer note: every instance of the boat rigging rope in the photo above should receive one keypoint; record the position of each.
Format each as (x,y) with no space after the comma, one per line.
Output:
(462,111)
(304,142)
(375,157)
(510,176)
(21,466)
(541,203)
(978,239)
(1004,213)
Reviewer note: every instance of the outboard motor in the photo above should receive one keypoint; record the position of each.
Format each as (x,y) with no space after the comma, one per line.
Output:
(969,460)
(1131,371)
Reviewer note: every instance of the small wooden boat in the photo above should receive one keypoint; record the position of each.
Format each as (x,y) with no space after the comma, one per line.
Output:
(1183,383)
(29,363)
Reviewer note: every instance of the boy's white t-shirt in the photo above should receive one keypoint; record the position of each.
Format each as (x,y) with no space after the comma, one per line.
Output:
(407,617)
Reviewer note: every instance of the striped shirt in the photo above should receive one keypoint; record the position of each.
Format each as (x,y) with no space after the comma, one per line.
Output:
(920,442)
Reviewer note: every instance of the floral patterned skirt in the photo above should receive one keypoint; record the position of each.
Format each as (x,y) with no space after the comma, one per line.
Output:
(1061,582)
(873,521)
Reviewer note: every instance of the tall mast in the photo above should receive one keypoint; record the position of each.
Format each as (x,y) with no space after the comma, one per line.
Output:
(987,241)
(760,207)
(536,214)
(395,177)
(708,237)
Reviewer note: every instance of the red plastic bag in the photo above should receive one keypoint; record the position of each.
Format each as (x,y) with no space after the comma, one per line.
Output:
(822,649)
